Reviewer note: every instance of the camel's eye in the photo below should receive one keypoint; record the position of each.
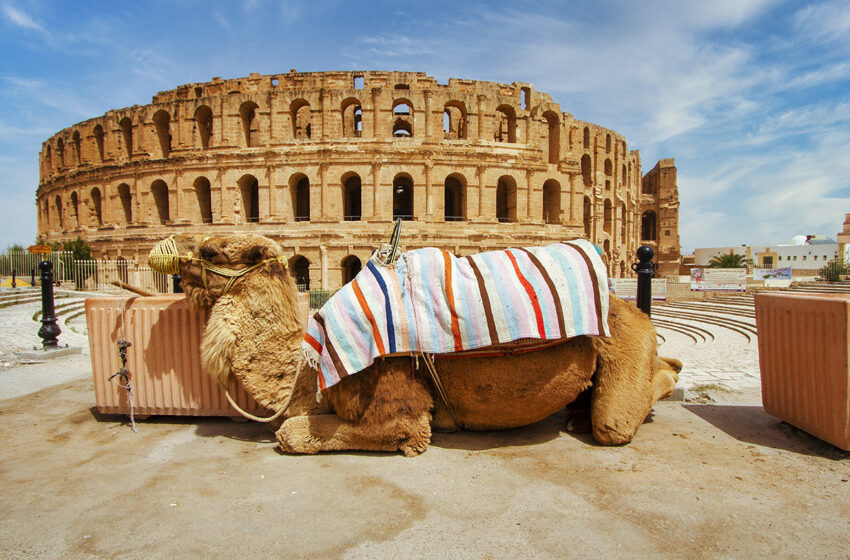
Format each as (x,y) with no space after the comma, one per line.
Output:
(208,254)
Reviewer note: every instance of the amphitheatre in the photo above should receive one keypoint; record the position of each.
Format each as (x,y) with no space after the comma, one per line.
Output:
(323,162)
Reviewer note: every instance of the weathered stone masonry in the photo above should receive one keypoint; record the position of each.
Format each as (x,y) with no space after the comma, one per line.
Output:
(324,161)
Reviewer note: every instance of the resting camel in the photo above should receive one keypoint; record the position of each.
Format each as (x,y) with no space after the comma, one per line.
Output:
(254,333)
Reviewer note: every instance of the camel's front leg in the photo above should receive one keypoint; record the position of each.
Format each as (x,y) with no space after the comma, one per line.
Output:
(327,432)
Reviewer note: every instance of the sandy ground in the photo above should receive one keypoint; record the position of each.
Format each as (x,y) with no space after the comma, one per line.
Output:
(711,480)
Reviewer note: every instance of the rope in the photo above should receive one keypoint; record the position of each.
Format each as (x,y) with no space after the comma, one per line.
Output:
(438,386)
(123,373)
(273,417)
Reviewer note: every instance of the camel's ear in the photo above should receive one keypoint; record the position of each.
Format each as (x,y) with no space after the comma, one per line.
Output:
(255,254)
(672,363)
(209,251)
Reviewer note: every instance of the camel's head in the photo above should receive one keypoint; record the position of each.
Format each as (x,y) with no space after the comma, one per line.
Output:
(210,266)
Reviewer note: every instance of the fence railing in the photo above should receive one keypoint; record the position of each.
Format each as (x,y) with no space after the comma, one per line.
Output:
(24,265)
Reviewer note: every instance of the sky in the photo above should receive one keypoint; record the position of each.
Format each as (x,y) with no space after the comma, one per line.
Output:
(751,97)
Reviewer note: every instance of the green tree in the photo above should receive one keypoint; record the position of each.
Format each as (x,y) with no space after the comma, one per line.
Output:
(729,260)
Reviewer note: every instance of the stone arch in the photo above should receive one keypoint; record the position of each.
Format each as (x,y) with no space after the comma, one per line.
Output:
(586,138)
(97,132)
(97,206)
(75,210)
(648,226)
(159,189)
(352,117)
(204,125)
(454,208)
(351,267)
(249,188)
(48,157)
(403,197)
(77,143)
(203,197)
(607,216)
(299,188)
(162,123)
(553,124)
(299,268)
(505,124)
(402,118)
(506,199)
(609,168)
(60,218)
(250,118)
(587,216)
(301,119)
(586,171)
(352,204)
(551,202)
(126,199)
(60,152)
(454,120)
(126,126)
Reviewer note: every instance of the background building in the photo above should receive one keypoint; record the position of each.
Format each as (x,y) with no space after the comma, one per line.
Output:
(324,162)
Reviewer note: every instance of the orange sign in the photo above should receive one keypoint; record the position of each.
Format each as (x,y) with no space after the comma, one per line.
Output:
(39,249)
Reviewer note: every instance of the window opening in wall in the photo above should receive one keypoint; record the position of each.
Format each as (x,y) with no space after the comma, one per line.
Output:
(248,113)
(358,82)
(352,211)
(402,197)
(586,138)
(126,202)
(199,91)
(454,121)
(98,139)
(587,217)
(127,135)
(623,174)
(160,196)
(60,152)
(551,202)
(300,268)
(608,143)
(162,121)
(351,267)
(505,124)
(274,82)
(554,134)
(606,248)
(78,156)
(301,119)
(401,109)
(609,168)
(250,190)
(454,199)
(586,173)
(623,223)
(75,210)
(48,156)
(525,95)
(607,184)
(59,215)
(648,227)
(352,118)
(402,129)
(402,86)
(97,206)
(203,196)
(506,196)
(204,124)
(607,217)
(300,187)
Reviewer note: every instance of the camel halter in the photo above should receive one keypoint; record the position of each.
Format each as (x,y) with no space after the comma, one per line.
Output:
(165,258)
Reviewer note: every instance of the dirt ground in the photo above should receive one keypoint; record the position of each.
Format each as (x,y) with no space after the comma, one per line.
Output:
(699,481)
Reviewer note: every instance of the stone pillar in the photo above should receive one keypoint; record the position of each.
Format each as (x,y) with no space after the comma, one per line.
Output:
(323,94)
(224,215)
(529,192)
(323,177)
(138,211)
(376,185)
(481,131)
(376,129)
(271,181)
(428,131)
(479,174)
(429,191)
(323,252)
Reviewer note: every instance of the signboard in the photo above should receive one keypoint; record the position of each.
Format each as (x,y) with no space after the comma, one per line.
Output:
(39,249)
(719,280)
(626,288)
(772,273)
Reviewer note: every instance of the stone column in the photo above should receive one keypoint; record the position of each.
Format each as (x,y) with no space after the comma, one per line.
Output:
(376,185)
(224,215)
(323,177)
(271,181)
(138,211)
(529,193)
(175,216)
(323,94)
(375,113)
(428,132)
(323,252)
(429,191)
(481,131)
(479,174)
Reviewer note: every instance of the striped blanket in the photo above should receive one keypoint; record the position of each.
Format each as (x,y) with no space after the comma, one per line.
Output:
(432,301)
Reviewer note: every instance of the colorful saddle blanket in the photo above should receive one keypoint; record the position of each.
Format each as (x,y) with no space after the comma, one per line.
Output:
(432,301)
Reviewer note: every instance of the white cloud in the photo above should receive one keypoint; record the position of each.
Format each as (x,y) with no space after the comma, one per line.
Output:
(21,19)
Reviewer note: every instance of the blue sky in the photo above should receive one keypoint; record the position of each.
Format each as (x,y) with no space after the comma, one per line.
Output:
(752,98)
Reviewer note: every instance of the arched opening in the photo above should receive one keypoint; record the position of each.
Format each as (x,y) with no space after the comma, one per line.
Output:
(402,197)
(97,132)
(607,216)
(60,218)
(126,202)
(454,121)
(506,199)
(623,222)
(648,226)
(48,157)
(455,198)
(586,172)
(622,269)
(607,143)
(587,217)
(402,118)
(551,202)
(249,188)
(127,135)
(78,155)
(351,267)
(97,206)
(299,187)
(162,122)
(300,268)
(301,119)
(505,124)
(45,210)
(75,210)
(623,176)
(609,168)
(352,118)
(160,197)
(554,135)
(351,200)
(249,115)
(586,138)
(60,152)
(204,124)
(203,196)
(606,249)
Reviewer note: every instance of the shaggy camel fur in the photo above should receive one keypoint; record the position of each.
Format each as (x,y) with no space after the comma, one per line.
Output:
(254,333)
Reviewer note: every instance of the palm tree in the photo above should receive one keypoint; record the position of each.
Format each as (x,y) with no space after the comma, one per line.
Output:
(729,260)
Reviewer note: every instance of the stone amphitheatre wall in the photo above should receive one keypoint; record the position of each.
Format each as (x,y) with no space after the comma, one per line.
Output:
(324,161)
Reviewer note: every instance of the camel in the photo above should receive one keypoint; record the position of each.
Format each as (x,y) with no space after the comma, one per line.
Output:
(254,333)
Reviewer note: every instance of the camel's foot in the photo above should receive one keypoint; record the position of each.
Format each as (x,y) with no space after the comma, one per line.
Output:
(327,432)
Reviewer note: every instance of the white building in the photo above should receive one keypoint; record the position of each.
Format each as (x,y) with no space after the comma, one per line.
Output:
(814,253)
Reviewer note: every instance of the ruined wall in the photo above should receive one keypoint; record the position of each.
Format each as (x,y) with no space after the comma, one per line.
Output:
(324,161)
(660,216)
